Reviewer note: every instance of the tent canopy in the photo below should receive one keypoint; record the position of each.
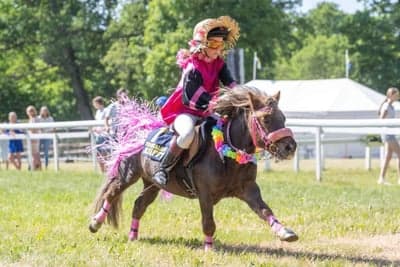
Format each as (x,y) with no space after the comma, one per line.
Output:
(330,98)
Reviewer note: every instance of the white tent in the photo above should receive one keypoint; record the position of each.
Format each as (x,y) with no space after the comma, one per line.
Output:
(331,98)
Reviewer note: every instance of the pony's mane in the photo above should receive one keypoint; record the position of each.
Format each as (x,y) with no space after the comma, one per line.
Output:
(241,97)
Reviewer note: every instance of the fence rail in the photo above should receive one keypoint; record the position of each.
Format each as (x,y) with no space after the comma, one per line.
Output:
(313,126)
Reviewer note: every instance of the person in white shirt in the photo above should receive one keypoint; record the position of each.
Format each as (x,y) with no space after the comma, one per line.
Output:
(386,111)
(100,133)
(44,116)
(111,117)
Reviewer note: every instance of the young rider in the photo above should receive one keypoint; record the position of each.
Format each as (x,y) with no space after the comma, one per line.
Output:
(203,68)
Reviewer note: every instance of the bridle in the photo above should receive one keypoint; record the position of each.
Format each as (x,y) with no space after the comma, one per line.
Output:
(269,138)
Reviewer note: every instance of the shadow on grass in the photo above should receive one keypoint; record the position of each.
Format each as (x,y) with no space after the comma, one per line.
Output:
(278,252)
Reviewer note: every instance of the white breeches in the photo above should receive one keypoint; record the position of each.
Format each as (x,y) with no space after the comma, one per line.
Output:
(184,126)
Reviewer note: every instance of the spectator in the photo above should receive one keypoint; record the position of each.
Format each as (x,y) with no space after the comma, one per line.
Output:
(111,120)
(15,146)
(33,118)
(386,111)
(44,116)
(4,150)
(100,133)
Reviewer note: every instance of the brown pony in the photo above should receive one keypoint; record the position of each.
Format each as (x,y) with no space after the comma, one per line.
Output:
(248,119)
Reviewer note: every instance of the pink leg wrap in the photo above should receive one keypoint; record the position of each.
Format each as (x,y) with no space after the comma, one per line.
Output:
(274,223)
(133,234)
(208,243)
(102,214)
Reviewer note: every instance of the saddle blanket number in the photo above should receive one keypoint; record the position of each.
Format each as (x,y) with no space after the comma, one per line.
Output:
(157,143)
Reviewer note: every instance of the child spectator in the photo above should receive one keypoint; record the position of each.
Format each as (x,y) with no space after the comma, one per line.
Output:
(15,146)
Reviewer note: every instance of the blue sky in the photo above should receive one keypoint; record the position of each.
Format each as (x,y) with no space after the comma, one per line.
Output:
(348,6)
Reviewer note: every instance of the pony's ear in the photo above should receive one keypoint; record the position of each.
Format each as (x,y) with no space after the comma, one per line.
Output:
(277,96)
(254,102)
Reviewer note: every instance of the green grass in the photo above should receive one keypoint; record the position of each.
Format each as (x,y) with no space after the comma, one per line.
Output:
(44,218)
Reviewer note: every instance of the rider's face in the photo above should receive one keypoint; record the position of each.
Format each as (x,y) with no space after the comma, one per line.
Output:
(214,48)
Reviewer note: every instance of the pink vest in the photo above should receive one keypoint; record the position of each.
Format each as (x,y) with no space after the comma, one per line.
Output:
(210,74)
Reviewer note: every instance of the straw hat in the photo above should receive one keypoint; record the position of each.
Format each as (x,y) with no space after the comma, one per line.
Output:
(223,26)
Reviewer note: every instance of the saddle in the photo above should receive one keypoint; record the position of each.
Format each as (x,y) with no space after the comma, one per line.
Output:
(157,143)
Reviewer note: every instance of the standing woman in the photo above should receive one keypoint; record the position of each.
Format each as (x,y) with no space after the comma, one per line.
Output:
(44,116)
(387,111)
(33,118)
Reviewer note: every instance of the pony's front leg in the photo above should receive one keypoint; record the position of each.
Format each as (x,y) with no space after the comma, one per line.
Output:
(252,196)
(146,197)
(207,220)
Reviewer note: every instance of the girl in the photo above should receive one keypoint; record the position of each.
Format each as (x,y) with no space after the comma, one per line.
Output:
(15,146)
(203,68)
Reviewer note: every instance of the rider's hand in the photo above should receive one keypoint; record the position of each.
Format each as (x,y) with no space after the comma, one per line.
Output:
(211,105)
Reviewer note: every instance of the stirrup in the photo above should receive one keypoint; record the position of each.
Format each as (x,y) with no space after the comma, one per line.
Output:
(161,177)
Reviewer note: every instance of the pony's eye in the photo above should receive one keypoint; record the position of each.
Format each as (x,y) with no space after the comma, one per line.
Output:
(267,120)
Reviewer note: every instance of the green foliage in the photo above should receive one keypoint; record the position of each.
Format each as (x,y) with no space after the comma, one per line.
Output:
(326,19)
(66,38)
(375,47)
(63,53)
(321,58)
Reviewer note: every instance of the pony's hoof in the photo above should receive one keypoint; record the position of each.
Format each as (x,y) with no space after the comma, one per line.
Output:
(208,248)
(288,235)
(94,226)
(133,236)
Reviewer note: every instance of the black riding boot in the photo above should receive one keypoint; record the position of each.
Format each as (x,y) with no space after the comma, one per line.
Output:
(169,161)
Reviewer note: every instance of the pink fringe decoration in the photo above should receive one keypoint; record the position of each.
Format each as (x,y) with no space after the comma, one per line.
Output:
(182,58)
(165,195)
(136,121)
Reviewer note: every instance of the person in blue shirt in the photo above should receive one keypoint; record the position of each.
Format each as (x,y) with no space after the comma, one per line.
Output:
(15,146)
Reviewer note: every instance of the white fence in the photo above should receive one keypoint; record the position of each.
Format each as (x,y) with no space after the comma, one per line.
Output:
(313,126)
(56,136)
(348,127)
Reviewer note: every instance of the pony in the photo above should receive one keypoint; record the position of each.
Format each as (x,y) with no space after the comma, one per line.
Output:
(248,119)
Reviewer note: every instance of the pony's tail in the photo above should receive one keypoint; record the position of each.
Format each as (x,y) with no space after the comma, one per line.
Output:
(114,212)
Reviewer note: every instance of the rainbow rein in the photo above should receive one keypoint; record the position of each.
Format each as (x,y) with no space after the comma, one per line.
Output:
(225,150)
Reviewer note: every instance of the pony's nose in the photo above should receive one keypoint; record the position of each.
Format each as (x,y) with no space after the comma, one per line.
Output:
(290,147)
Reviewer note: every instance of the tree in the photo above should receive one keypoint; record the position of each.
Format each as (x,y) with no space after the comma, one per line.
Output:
(374,36)
(124,60)
(170,24)
(68,35)
(321,58)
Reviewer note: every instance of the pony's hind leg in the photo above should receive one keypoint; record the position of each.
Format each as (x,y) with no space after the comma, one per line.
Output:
(146,197)
(109,200)
(252,196)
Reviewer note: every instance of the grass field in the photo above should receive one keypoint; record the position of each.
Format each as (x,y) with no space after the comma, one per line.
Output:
(347,220)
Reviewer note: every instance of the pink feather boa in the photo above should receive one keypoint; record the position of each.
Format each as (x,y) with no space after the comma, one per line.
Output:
(135,121)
